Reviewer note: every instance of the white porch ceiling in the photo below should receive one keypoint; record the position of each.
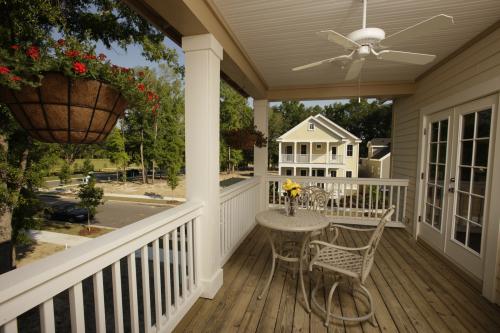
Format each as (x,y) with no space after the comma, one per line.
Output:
(277,35)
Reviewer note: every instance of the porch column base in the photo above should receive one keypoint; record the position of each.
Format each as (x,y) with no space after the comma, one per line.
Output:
(211,286)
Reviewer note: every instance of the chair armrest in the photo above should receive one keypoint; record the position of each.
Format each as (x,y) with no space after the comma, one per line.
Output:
(351,228)
(338,247)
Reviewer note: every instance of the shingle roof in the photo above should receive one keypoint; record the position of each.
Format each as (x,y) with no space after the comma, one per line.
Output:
(381,153)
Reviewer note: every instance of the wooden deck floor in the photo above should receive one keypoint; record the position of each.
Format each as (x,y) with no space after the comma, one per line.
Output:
(413,289)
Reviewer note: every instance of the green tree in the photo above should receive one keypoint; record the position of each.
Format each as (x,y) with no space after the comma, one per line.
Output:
(115,145)
(90,197)
(87,166)
(64,173)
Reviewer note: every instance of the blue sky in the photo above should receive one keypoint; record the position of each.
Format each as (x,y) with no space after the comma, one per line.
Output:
(132,58)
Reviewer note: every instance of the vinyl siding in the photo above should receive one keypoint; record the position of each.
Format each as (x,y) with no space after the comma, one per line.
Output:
(469,70)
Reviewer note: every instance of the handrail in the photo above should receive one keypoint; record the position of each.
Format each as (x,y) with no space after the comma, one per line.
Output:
(367,181)
(29,286)
(233,190)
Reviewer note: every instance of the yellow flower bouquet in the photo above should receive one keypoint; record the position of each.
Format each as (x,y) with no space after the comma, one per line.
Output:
(292,191)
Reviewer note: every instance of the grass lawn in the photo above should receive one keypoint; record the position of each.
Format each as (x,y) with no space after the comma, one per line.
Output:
(74,229)
(28,253)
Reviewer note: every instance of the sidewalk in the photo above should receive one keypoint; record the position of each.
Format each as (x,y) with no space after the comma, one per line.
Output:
(57,238)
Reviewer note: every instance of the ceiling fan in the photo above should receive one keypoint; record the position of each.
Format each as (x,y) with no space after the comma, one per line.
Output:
(371,42)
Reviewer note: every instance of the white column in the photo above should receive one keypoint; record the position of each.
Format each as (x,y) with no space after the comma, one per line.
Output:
(260,158)
(279,154)
(310,151)
(203,54)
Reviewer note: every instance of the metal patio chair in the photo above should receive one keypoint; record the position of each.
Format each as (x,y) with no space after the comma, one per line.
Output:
(351,263)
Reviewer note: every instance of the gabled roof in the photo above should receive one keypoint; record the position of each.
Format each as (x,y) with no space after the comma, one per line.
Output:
(382,153)
(380,142)
(327,125)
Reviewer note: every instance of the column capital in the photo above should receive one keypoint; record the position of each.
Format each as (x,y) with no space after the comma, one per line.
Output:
(202,42)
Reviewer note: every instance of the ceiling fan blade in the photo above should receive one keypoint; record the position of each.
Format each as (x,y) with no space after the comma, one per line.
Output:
(354,69)
(406,57)
(321,62)
(339,39)
(426,27)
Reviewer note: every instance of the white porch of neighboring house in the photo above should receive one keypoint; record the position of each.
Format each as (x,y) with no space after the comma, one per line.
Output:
(154,271)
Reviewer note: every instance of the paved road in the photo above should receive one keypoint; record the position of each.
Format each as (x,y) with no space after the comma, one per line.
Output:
(115,214)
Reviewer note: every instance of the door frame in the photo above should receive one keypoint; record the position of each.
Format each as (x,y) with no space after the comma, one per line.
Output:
(488,89)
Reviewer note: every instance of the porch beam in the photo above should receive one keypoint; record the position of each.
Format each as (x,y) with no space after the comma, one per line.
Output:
(203,55)
(342,90)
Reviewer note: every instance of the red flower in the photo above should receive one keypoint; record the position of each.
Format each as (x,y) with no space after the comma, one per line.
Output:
(150,96)
(15,47)
(141,74)
(89,56)
(72,53)
(124,69)
(141,86)
(79,67)
(15,78)
(101,56)
(33,52)
(60,42)
(4,70)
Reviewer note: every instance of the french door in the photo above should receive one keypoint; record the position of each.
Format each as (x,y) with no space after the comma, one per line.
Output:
(455,198)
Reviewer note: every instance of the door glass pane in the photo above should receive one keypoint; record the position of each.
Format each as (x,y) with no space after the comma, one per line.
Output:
(440,175)
(462,204)
(439,197)
(474,241)
(483,124)
(433,153)
(460,230)
(443,131)
(481,153)
(428,213)
(434,132)
(466,153)
(479,184)
(430,194)
(442,153)
(464,179)
(468,126)
(437,218)
(476,209)
(432,173)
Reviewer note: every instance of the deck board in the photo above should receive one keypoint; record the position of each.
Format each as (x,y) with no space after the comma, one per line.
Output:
(414,291)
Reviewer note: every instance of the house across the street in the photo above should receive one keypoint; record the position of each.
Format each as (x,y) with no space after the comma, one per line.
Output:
(318,147)
(378,162)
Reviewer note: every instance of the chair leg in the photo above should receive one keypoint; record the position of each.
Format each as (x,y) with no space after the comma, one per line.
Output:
(329,302)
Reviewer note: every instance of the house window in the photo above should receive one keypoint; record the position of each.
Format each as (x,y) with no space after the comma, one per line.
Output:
(303,149)
(289,150)
(303,173)
(334,151)
(318,146)
(288,172)
(348,174)
(349,150)
(311,126)
(333,173)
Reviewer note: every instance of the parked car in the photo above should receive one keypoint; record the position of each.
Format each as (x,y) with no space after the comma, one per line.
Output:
(68,212)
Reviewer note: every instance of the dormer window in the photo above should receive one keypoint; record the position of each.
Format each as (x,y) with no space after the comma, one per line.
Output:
(311,126)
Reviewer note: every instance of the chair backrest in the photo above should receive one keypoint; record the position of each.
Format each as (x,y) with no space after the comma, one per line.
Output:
(375,238)
(314,198)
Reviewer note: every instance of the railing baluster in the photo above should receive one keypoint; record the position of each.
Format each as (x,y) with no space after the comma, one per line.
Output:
(100,313)
(397,204)
(183,261)
(404,205)
(364,200)
(146,301)
(390,197)
(117,296)
(383,199)
(377,189)
(369,200)
(190,255)
(157,283)
(350,200)
(175,253)
(47,323)
(132,289)
(76,308)
(166,272)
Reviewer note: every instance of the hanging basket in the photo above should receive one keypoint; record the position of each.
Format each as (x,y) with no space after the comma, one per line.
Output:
(66,110)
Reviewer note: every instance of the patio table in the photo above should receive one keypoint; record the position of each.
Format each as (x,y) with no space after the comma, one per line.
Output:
(303,223)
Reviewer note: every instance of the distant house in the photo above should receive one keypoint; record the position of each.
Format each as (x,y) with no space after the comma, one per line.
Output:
(378,162)
(318,147)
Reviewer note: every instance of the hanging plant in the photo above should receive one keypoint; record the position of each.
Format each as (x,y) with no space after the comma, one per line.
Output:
(244,138)
(63,92)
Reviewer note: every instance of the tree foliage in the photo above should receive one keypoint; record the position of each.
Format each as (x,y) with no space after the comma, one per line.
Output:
(90,197)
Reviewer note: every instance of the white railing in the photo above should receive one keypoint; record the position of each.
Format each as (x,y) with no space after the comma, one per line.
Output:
(238,205)
(318,158)
(351,200)
(90,277)
(287,158)
(303,158)
(336,159)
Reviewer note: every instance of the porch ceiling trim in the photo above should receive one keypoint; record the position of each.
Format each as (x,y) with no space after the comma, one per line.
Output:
(343,90)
